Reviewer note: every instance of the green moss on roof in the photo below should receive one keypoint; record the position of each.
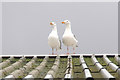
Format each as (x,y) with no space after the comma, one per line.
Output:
(49,65)
(88,61)
(62,68)
(101,61)
(4,59)
(76,67)
(112,59)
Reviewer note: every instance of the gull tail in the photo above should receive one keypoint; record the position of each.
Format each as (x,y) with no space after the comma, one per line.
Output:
(76,45)
(60,45)
(59,49)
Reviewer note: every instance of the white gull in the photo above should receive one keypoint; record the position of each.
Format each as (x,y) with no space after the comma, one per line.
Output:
(53,39)
(68,37)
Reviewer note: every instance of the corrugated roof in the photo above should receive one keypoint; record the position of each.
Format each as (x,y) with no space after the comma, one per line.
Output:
(61,66)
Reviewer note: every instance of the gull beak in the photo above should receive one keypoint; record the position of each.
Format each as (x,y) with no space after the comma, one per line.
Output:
(63,22)
(51,23)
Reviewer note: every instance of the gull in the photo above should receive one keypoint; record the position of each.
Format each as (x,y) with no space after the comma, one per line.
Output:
(69,38)
(53,39)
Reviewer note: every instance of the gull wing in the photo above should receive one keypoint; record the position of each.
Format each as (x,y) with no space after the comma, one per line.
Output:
(76,39)
(60,43)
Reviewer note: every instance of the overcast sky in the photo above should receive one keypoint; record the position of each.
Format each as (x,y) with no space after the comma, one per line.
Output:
(26,26)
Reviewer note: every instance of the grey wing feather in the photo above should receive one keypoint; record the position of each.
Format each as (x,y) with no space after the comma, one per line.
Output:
(76,39)
(60,43)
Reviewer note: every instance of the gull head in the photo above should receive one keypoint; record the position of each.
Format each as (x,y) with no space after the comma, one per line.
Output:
(66,22)
(52,24)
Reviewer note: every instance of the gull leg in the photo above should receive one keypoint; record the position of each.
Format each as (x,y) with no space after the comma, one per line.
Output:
(52,51)
(56,51)
(67,50)
(73,50)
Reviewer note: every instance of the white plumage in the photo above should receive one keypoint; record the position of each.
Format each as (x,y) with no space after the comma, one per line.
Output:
(53,39)
(68,37)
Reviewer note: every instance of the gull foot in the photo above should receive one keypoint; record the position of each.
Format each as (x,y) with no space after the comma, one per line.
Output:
(52,53)
(55,53)
(67,53)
